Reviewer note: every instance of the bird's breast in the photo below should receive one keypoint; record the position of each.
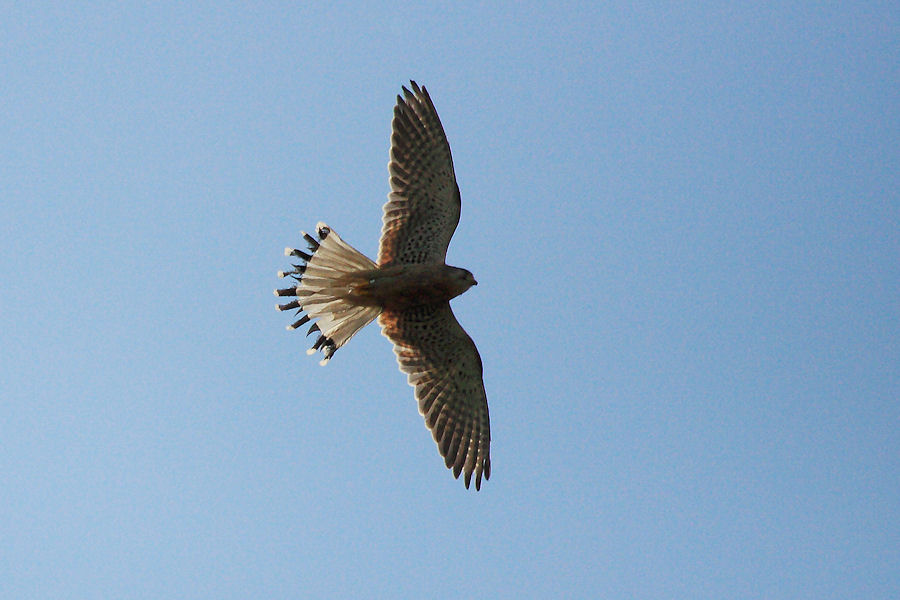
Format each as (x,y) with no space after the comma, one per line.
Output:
(404,286)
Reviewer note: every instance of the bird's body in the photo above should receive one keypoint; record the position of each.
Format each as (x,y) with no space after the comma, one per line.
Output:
(397,287)
(408,290)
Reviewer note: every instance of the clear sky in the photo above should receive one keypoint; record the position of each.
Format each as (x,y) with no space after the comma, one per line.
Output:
(684,223)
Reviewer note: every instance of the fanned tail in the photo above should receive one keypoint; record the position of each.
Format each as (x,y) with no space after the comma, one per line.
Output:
(326,279)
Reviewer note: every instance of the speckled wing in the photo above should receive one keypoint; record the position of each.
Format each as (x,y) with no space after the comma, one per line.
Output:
(422,210)
(444,367)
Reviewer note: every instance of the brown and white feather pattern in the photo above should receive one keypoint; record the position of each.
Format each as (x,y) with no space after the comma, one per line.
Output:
(410,287)
(423,206)
(326,278)
(444,367)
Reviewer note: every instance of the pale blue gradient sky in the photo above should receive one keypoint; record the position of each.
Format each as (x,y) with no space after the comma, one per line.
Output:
(684,224)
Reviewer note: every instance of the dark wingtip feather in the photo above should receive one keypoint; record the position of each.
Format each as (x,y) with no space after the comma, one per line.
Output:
(321,340)
(311,241)
(298,253)
(289,306)
(298,323)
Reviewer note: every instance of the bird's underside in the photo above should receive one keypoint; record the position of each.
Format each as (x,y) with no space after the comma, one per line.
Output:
(339,290)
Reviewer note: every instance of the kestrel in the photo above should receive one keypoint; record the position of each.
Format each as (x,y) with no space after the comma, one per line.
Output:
(408,289)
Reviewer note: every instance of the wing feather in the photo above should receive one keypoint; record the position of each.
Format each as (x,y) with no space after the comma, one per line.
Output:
(423,207)
(443,365)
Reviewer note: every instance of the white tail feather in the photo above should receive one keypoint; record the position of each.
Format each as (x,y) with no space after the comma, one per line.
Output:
(325,290)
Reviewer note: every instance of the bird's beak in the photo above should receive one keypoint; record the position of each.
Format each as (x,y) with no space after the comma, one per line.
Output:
(474,282)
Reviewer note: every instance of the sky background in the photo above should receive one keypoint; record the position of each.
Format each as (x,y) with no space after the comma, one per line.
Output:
(684,223)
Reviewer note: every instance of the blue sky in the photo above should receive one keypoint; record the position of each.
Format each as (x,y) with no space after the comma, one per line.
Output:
(684,223)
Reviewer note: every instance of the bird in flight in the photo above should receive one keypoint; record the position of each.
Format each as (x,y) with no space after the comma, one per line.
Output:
(409,289)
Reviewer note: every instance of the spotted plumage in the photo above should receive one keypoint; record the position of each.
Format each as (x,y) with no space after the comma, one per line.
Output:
(408,289)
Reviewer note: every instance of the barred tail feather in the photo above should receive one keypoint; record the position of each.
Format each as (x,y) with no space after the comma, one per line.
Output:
(324,290)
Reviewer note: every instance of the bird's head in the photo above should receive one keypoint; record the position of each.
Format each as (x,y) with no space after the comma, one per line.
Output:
(460,280)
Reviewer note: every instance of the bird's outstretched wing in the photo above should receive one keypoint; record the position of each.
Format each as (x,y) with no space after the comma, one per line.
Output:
(422,210)
(444,367)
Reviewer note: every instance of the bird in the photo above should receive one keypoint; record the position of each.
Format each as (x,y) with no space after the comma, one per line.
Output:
(340,290)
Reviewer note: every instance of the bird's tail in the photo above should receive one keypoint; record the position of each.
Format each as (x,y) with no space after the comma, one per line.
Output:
(326,279)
